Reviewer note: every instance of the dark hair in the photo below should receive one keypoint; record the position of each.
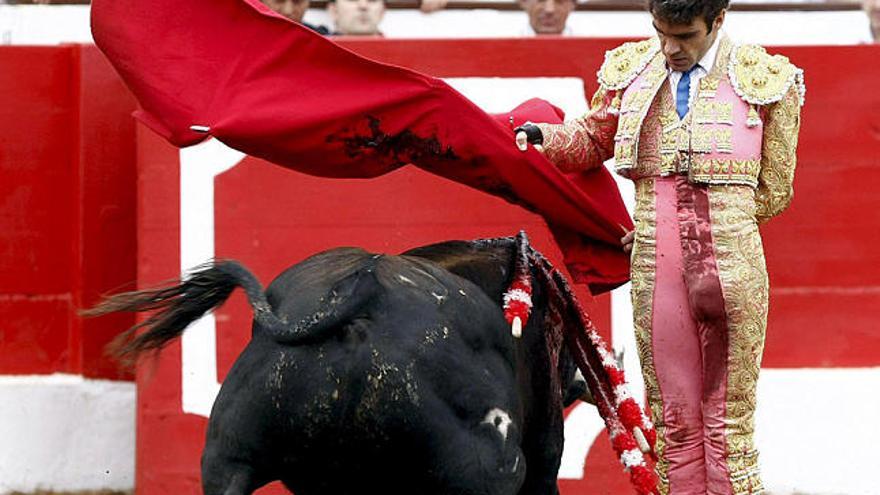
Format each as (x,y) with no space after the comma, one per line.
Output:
(685,11)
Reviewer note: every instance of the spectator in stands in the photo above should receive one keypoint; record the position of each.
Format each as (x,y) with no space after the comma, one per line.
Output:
(547,16)
(872,8)
(294,10)
(356,17)
(428,6)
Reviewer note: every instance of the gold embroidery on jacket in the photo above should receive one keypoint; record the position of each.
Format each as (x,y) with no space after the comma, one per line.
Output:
(681,142)
(778,157)
(760,78)
(628,126)
(723,141)
(623,64)
(626,149)
(701,139)
(675,135)
(723,171)
(583,143)
(670,141)
(708,87)
(724,113)
(623,154)
(713,112)
(637,100)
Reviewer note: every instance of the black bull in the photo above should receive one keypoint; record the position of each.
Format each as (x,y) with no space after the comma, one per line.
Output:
(383,374)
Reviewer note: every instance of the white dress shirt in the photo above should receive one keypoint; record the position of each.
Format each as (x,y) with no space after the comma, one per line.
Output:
(704,66)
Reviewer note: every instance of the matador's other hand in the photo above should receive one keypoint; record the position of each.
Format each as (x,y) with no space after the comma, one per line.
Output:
(627,241)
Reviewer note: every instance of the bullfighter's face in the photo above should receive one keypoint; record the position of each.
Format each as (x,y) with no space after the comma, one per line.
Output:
(684,45)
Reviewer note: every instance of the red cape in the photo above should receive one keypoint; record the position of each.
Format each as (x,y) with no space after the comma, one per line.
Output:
(278,91)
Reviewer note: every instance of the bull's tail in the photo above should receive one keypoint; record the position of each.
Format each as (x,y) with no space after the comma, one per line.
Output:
(178,305)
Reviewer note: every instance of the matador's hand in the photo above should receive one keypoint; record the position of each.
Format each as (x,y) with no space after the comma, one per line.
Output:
(627,241)
(529,133)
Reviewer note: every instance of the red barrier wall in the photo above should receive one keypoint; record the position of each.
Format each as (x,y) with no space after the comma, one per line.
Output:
(67,183)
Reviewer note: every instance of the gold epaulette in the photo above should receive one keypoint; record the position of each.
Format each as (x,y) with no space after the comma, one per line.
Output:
(623,64)
(760,78)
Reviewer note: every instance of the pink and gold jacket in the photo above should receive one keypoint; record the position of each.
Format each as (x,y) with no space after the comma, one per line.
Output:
(742,127)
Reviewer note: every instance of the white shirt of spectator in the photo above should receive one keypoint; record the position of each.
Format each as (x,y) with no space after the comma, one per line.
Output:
(705,66)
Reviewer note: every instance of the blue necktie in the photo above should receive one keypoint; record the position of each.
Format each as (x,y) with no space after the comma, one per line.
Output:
(683,93)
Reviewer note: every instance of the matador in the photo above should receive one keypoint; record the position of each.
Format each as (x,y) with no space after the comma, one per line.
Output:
(707,130)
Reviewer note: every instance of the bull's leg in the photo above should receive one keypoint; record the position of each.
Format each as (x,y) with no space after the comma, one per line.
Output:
(223,476)
(542,445)
(238,453)
(543,453)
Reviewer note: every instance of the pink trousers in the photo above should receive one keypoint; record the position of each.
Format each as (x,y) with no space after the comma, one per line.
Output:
(698,361)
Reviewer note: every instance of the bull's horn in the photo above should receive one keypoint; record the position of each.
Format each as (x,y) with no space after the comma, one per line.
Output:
(641,440)
(516,327)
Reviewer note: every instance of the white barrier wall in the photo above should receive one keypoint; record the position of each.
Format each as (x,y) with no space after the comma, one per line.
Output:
(66,433)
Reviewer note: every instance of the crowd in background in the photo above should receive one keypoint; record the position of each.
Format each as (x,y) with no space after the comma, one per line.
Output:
(545,17)
(364,17)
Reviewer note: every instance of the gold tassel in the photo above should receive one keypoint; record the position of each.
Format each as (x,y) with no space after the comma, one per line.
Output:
(753,119)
